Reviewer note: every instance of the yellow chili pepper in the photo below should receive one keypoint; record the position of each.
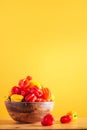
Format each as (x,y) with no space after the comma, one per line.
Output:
(16,98)
(34,83)
(52,98)
(74,115)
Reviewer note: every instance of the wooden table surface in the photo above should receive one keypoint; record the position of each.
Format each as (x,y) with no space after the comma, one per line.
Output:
(81,123)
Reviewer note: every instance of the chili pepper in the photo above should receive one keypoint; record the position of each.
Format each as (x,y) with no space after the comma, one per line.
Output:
(15,90)
(52,97)
(47,120)
(65,119)
(29,78)
(46,93)
(37,91)
(23,83)
(30,98)
(16,98)
(25,91)
(74,115)
(34,83)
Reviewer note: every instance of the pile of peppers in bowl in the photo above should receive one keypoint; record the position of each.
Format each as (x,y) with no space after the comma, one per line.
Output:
(29,90)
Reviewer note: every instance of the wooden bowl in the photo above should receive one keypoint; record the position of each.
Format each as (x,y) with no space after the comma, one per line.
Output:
(28,112)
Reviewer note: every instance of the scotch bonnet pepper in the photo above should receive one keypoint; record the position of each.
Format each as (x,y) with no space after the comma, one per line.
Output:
(29,90)
(16,98)
(73,114)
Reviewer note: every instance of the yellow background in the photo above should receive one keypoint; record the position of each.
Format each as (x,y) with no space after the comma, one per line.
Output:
(46,39)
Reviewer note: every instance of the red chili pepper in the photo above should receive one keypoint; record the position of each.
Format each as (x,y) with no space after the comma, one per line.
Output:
(65,119)
(25,92)
(15,90)
(73,114)
(23,83)
(37,91)
(47,120)
(30,98)
(46,93)
(29,78)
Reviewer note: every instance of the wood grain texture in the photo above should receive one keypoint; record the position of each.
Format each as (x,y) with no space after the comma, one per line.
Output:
(81,123)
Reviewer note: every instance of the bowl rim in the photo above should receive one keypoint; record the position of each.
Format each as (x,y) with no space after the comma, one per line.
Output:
(29,102)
